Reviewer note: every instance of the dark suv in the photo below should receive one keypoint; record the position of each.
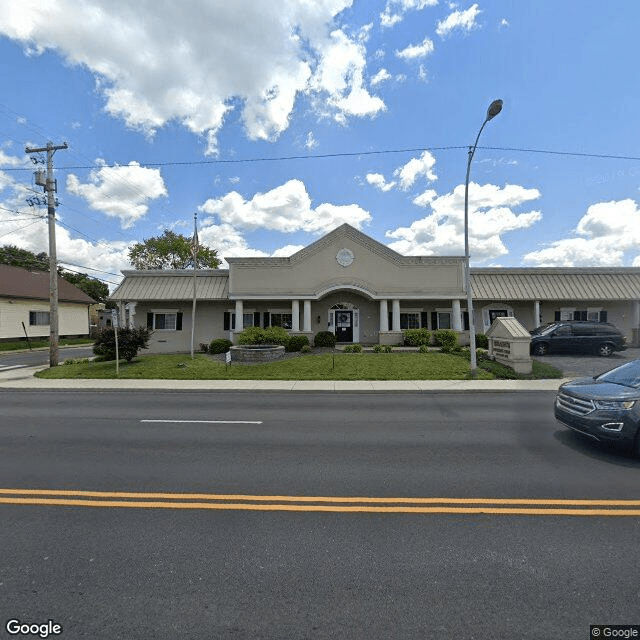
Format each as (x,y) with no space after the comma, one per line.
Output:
(577,337)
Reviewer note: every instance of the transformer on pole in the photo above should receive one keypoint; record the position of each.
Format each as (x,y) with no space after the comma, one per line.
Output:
(50,185)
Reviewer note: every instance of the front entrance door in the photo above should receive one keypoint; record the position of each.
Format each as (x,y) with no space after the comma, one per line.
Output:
(344,326)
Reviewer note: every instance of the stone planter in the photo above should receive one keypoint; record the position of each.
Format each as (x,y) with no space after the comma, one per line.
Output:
(256,352)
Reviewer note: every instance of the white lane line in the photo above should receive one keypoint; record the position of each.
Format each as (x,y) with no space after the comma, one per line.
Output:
(208,421)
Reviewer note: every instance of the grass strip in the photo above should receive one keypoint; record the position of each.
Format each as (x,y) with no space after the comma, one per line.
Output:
(38,344)
(356,366)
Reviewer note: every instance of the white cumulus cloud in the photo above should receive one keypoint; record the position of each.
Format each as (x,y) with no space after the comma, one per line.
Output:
(382,76)
(286,208)
(378,181)
(341,75)
(407,174)
(458,20)
(229,242)
(157,62)
(603,236)
(121,192)
(416,168)
(490,216)
(415,51)
(395,10)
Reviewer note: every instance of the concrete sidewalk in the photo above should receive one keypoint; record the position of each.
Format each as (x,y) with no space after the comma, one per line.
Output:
(23,378)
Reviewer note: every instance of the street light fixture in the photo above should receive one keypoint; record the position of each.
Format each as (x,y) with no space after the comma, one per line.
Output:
(494,109)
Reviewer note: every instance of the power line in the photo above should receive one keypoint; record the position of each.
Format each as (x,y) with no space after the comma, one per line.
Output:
(84,274)
(606,156)
(59,263)
(20,228)
(80,266)
(345,154)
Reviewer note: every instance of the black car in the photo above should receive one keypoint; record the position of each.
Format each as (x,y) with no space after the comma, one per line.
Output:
(577,337)
(604,407)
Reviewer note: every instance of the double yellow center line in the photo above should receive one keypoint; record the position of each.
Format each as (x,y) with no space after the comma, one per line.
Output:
(239,502)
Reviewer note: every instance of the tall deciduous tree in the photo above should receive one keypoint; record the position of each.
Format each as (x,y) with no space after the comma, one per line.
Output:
(17,257)
(96,289)
(170,251)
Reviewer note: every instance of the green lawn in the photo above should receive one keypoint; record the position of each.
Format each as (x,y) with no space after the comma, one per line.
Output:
(356,366)
(37,344)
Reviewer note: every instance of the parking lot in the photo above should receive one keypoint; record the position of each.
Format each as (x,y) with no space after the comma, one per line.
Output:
(576,365)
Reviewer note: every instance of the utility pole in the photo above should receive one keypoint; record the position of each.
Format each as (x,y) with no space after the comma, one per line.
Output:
(50,187)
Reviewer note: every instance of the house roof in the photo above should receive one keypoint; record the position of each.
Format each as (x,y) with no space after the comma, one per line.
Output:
(166,284)
(16,282)
(622,283)
(487,284)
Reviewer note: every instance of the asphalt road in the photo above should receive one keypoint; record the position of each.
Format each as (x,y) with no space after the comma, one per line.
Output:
(249,557)
(18,359)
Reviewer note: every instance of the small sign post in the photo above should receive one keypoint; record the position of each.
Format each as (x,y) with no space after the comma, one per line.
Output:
(114,323)
(227,360)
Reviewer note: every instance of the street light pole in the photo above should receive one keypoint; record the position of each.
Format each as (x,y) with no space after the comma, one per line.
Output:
(494,109)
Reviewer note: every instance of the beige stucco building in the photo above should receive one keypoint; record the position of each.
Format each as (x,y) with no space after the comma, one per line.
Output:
(364,292)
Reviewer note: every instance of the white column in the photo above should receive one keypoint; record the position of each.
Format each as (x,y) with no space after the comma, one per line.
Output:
(384,316)
(456,315)
(395,315)
(306,326)
(295,315)
(132,314)
(536,314)
(239,315)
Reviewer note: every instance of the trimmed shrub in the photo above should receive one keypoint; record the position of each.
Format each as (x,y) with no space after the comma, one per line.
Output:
(252,335)
(305,348)
(130,341)
(382,348)
(324,339)
(482,341)
(220,345)
(270,335)
(353,348)
(295,343)
(447,339)
(204,347)
(416,337)
(423,348)
(276,335)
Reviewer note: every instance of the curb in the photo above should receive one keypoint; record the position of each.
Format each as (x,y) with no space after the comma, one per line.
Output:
(24,379)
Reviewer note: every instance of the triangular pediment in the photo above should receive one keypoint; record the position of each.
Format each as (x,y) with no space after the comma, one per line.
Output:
(344,258)
(346,232)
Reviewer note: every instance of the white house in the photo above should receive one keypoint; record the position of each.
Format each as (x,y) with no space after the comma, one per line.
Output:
(364,292)
(24,305)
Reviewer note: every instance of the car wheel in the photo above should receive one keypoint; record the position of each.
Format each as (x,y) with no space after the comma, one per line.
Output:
(605,350)
(540,349)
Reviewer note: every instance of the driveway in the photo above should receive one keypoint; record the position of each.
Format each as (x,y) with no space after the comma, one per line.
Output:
(576,365)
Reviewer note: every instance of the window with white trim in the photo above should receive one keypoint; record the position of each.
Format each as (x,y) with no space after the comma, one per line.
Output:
(247,319)
(39,318)
(594,314)
(410,320)
(444,320)
(284,320)
(165,321)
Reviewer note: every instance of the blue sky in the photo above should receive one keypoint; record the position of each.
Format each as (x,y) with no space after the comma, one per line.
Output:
(172,108)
